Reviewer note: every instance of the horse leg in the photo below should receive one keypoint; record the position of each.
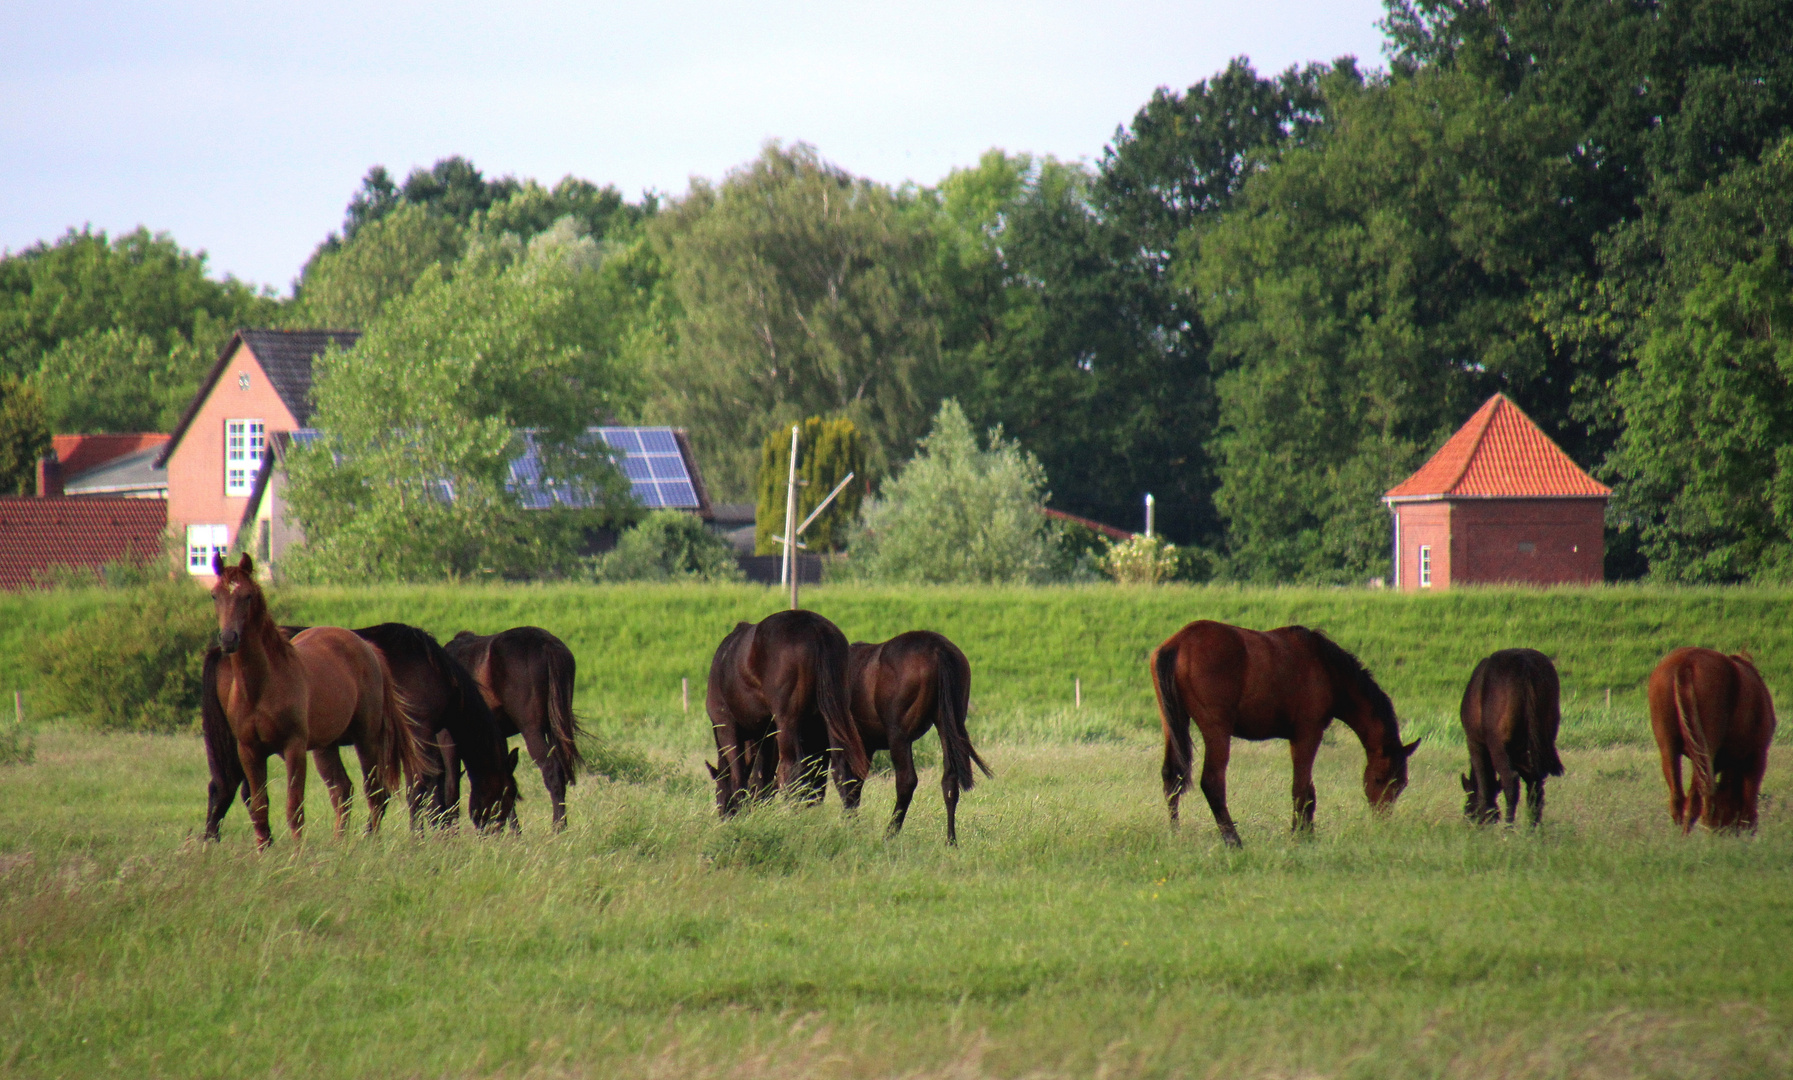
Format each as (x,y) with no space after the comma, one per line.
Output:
(371,785)
(1534,801)
(447,789)
(762,768)
(1671,775)
(790,754)
(552,777)
(1507,778)
(1302,752)
(1487,785)
(1216,749)
(255,766)
(294,756)
(1177,756)
(328,759)
(902,759)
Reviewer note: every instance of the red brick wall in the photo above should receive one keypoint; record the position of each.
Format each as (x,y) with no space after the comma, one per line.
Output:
(1425,524)
(1535,541)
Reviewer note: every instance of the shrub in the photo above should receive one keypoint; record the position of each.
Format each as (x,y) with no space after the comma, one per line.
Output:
(133,666)
(669,546)
(958,513)
(827,451)
(1140,560)
(16,745)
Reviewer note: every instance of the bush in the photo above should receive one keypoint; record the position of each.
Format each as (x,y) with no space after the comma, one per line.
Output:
(827,451)
(958,513)
(1140,560)
(16,745)
(669,546)
(135,665)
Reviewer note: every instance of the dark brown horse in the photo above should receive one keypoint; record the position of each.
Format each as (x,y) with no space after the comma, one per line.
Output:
(901,688)
(1716,710)
(450,721)
(782,681)
(1289,683)
(324,689)
(526,676)
(1511,711)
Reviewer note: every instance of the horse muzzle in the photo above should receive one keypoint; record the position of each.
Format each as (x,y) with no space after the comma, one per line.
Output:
(229,640)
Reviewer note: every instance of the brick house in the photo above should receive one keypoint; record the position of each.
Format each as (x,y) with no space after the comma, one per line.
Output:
(1499,503)
(259,387)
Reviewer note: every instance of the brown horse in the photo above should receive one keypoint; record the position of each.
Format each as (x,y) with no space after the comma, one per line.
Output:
(1511,711)
(1716,710)
(1289,683)
(526,676)
(782,680)
(323,689)
(901,688)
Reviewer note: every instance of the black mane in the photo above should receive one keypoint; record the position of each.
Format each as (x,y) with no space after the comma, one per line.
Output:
(1337,658)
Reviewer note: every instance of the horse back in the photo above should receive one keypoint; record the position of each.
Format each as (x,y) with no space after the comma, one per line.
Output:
(1269,683)
(345,681)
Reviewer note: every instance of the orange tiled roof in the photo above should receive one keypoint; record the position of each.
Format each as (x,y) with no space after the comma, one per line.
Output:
(1499,454)
(79,453)
(82,530)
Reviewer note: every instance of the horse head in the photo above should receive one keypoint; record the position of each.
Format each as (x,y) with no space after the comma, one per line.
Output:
(1385,774)
(492,796)
(238,600)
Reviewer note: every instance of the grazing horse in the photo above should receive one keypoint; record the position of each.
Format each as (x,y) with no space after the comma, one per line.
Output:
(526,676)
(901,688)
(1716,710)
(324,689)
(782,680)
(1511,711)
(1289,683)
(449,719)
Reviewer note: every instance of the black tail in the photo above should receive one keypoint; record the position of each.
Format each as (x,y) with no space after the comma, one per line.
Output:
(952,699)
(226,767)
(1177,750)
(831,699)
(1540,750)
(563,727)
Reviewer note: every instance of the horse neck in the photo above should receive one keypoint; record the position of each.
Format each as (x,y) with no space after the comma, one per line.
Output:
(264,650)
(1378,736)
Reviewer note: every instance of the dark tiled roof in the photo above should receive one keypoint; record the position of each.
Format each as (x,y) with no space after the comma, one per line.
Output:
(79,453)
(1499,454)
(90,531)
(285,356)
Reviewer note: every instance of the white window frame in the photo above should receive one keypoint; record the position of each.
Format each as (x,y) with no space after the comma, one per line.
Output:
(245,443)
(1425,566)
(204,541)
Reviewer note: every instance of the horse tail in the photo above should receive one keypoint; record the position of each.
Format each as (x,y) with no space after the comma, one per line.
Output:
(220,745)
(1171,711)
(1693,734)
(398,746)
(949,720)
(1542,751)
(564,728)
(830,666)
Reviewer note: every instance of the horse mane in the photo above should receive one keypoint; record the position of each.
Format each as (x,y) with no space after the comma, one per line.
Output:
(1337,658)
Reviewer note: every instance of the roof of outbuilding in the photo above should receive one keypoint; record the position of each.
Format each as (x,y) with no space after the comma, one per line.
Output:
(132,473)
(1499,454)
(78,453)
(285,356)
(86,531)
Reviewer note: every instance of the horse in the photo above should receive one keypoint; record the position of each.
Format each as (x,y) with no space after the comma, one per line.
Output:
(898,690)
(1511,711)
(449,719)
(783,679)
(1717,711)
(1289,683)
(324,689)
(526,676)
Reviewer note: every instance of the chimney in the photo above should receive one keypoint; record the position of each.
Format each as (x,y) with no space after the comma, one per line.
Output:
(49,476)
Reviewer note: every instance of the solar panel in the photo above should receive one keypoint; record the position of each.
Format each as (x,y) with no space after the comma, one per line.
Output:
(649,457)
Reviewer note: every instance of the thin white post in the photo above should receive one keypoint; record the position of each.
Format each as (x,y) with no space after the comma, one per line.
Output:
(685,692)
(1077,689)
(18,706)
(1151,505)
(1609,701)
(790,522)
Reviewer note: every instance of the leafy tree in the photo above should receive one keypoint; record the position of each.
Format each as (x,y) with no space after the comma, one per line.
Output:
(424,415)
(668,545)
(827,451)
(532,208)
(959,513)
(24,436)
(348,287)
(118,380)
(797,290)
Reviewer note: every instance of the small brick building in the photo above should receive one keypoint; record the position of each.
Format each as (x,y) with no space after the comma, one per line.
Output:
(1499,503)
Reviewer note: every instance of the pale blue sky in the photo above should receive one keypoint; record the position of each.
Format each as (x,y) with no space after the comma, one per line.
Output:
(243,128)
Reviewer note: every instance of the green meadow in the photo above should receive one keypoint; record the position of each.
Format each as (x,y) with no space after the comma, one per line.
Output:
(1070,934)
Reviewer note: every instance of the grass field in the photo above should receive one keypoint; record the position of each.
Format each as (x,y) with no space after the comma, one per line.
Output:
(1071,933)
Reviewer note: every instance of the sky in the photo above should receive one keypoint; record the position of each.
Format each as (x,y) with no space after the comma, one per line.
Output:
(243,129)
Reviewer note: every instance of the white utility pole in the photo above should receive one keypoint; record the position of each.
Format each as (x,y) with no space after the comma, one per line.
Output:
(788,572)
(1151,505)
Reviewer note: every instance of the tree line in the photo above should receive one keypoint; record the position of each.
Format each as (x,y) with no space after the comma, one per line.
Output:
(1270,298)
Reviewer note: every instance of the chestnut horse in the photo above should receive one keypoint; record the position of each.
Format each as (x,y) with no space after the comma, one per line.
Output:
(1289,683)
(450,721)
(1511,711)
(323,689)
(901,688)
(1716,710)
(526,676)
(782,680)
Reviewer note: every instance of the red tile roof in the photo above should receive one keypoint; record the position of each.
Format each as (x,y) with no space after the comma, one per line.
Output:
(91,531)
(1499,454)
(78,453)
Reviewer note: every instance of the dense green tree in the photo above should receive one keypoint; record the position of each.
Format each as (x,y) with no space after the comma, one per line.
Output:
(827,451)
(24,436)
(118,380)
(796,290)
(347,287)
(599,211)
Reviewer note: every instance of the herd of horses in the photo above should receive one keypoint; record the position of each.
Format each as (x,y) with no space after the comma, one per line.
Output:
(792,704)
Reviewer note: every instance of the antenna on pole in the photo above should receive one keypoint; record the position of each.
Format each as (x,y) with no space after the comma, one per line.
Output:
(1151,507)
(790,523)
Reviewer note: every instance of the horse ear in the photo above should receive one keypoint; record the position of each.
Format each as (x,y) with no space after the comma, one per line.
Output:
(714,771)
(217,564)
(513,759)
(1468,784)
(1407,751)
(246,566)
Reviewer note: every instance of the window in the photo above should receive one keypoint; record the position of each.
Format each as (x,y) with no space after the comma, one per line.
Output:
(204,541)
(1425,566)
(244,443)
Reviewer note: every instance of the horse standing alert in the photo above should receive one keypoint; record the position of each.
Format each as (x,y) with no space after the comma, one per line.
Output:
(900,688)
(1511,711)
(1289,683)
(1715,710)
